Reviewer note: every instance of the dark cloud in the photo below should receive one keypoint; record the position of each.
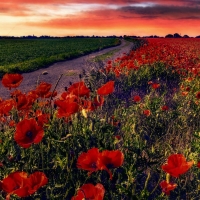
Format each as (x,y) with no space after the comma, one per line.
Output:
(162,11)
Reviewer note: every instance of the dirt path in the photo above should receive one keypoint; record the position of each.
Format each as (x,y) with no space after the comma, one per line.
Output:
(70,70)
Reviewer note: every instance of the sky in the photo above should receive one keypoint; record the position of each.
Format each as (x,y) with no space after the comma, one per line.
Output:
(102,17)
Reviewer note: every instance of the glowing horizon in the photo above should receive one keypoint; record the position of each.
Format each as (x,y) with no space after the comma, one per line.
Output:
(102,18)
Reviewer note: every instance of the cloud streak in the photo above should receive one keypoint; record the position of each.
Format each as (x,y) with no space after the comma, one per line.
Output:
(101,16)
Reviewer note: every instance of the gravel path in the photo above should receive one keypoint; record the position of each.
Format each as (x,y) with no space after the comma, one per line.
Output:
(70,70)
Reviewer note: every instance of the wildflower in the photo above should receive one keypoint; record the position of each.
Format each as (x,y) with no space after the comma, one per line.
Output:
(42,89)
(42,118)
(106,89)
(12,80)
(88,161)
(110,159)
(147,112)
(36,181)
(20,184)
(79,89)
(15,184)
(6,106)
(177,165)
(164,108)
(198,95)
(155,85)
(12,123)
(137,98)
(198,164)
(66,108)
(23,102)
(89,191)
(28,132)
(167,187)
(118,137)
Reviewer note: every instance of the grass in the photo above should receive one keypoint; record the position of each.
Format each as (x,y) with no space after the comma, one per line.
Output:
(145,141)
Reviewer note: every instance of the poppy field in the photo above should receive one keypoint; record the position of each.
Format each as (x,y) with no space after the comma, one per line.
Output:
(25,55)
(129,130)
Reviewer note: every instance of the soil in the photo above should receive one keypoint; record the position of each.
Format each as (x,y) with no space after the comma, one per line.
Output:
(70,70)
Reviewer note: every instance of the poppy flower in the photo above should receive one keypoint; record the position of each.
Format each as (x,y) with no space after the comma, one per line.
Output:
(89,191)
(42,89)
(66,108)
(110,159)
(137,98)
(50,94)
(28,132)
(23,102)
(88,161)
(147,112)
(167,187)
(79,89)
(198,95)
(177,165)
(106,89)
(36,181)
(20,184)
(198,164)
(6,106)
(15,183)
(42,118)
(12,80)
(164,108)
(155,85)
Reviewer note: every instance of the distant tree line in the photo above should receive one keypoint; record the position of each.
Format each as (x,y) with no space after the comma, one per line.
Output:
(46,36)
(175,35)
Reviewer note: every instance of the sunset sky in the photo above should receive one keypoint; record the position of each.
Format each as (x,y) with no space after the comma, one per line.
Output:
(102,17)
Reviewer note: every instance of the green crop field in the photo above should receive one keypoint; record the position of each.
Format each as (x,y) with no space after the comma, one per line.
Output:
(23,55)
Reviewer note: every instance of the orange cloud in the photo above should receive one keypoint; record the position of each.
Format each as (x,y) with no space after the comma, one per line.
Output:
(137,17)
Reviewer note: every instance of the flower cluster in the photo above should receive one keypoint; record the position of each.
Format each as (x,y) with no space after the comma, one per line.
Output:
(93,160)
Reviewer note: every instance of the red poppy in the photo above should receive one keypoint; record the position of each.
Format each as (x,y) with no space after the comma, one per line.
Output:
(164,108)
(28,132)
(6,106)
(12,80)
(198,164)
(110,159)
(12,123)
(137,98)
(15,93)
(50,94)
(167,187)
(198,95)
(89,191)
(42,118)
(88,161)
(20,184)
(66,108)
(106,89)
(147,112)
(23,102)
(36,181)
(155,85)
(88,105)
(79,89)
(15,183)
(177,165)
(43,89)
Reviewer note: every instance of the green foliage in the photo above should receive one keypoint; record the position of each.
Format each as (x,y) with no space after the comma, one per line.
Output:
(25,55)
